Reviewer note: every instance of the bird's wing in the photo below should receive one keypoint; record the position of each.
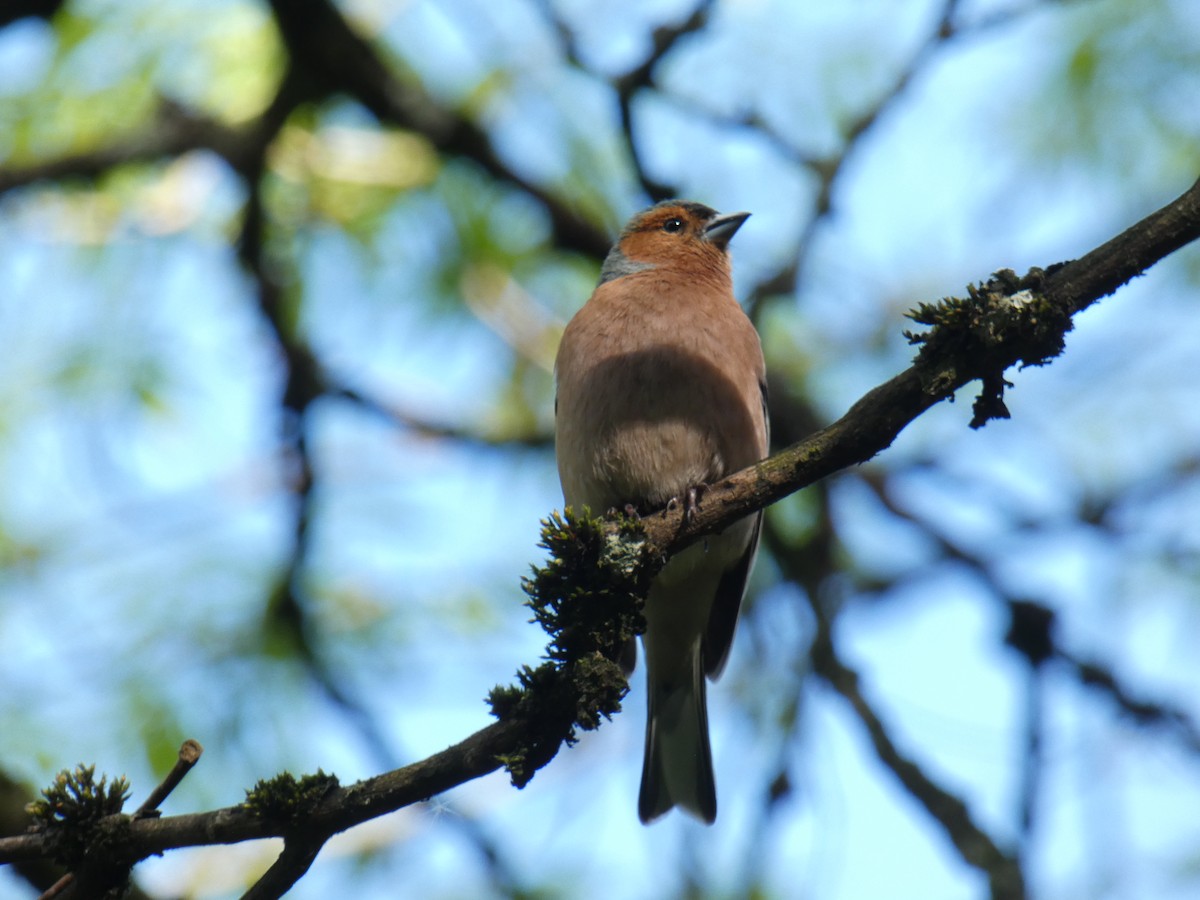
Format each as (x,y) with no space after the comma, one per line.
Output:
(722,618)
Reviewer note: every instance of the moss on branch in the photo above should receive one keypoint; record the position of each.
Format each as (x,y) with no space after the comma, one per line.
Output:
(588,597)
(1004,321)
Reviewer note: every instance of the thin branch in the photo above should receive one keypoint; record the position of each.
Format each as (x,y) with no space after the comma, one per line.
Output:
(39,872)
(829,170)
(342,808)
(1141,710)
(322,44)
(426,428)
(327,56)
(1001,18)
(173,131)
(976,847)
(189,754)
(59,887)
(290,866)
(1031,767)
(641,77)
(628,85)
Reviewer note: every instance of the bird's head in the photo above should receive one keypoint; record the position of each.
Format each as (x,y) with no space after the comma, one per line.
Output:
(674,234)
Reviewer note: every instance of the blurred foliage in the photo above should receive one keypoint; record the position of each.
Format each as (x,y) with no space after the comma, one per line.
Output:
(158,506)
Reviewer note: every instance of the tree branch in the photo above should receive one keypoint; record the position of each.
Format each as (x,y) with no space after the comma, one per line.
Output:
(1142,711)
(189,754)
(327,56)
(172,132)
(663,40)
(291,865)
(15,10)
(322,43)
(973,843)
(628,85)
(341,808)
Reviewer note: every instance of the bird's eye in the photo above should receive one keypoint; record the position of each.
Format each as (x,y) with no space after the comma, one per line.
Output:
(673,225)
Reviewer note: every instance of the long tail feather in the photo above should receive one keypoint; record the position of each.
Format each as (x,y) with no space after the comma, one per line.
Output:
(677,769)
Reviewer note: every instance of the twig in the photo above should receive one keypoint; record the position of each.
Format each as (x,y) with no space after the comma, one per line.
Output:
(640,77)
(829,171)
(189,754)
(1031,771)
(437,431)
(628,85)
(1142,711)
(974,845)
(337,59)
(343,808)
(58,888)
(172,132)
(288,868)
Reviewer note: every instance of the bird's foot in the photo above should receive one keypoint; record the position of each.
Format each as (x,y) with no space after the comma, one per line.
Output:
(691,502)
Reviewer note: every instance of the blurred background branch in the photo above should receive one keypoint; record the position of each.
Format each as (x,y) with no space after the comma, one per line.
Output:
(281,283)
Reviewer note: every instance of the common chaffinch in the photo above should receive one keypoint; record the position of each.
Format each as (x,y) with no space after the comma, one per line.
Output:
(662,390)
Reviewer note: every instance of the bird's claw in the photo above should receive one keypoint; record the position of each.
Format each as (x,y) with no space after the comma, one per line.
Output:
(691,502)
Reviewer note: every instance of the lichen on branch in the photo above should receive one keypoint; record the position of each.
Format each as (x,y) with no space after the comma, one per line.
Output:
(1004,321)
(588,597)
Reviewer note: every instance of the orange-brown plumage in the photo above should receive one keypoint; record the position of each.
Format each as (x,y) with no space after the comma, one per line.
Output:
(660,389)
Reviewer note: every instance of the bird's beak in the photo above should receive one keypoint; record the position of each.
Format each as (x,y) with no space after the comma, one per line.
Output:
(720,229)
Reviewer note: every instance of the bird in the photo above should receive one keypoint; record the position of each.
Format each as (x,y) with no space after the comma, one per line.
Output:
(661,391)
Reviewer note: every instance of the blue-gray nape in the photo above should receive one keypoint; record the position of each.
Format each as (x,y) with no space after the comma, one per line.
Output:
(617,265)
